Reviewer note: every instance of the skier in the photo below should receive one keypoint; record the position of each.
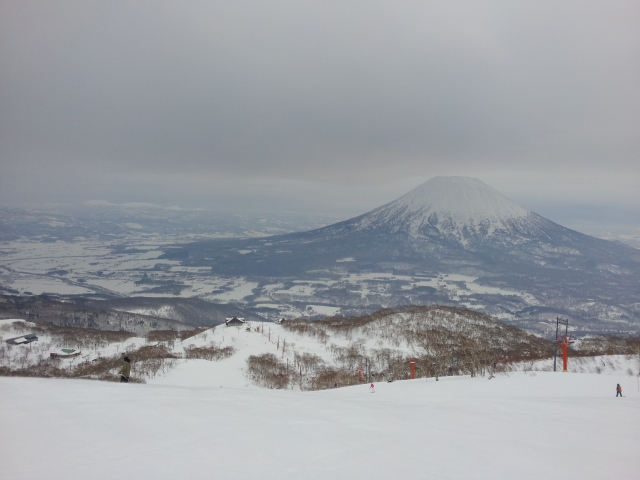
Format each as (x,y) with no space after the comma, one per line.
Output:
(335,385)
(618,390)
(372,388)
(125,371)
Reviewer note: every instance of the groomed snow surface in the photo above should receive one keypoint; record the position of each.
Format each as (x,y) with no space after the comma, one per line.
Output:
(522,426)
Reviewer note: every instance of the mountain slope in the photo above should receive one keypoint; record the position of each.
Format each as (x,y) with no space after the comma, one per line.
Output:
(454,225)
(459,208)
(445,221)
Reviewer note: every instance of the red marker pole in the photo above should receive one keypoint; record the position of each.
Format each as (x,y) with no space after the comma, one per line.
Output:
(564,357)
(413,370)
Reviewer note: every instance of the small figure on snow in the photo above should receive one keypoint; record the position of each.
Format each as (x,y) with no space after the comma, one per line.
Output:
(335,385)
(125,371)
(618,390)
(372,388)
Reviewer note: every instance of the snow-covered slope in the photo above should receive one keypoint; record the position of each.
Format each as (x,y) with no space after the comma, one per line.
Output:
(457,207)
(466,199)
(310,352)
(205,419)
(288,346)
(547,425)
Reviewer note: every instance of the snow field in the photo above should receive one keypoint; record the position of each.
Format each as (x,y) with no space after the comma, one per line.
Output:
(551,425)
(206,420)
(92,265)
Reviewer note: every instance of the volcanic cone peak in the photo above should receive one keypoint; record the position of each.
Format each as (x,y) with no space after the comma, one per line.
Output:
(460,208)
(464,198)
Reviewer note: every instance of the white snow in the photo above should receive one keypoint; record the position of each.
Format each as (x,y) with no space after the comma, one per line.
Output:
(205,420)
(296,290)
(465,198)
(7,321)
(89,265)
(322,310)
(347,259)
(551,426)
(239,290)
(456,206)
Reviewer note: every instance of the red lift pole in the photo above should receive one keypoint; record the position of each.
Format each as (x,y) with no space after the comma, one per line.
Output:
(564,341)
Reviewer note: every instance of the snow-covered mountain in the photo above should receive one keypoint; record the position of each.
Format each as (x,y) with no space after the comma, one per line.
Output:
(451,225)
(461,210)
(445,220)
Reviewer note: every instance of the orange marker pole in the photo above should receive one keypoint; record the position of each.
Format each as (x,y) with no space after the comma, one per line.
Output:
(413,370)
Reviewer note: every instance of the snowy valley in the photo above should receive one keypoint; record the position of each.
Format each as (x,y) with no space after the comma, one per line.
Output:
(451,241)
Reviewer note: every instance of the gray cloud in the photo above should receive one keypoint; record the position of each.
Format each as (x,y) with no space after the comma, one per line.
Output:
(326,105)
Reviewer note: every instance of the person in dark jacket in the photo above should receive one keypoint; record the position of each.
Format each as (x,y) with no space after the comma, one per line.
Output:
(618,390)
(125,371)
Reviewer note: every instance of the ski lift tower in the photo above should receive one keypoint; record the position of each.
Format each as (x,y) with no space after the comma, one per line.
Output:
(564,341)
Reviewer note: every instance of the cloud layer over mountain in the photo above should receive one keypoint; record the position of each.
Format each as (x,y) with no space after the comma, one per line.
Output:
(317,103)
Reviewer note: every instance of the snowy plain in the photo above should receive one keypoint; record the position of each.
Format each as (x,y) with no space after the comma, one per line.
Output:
(88,266)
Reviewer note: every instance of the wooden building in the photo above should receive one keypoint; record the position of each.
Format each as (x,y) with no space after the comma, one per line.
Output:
(234,321)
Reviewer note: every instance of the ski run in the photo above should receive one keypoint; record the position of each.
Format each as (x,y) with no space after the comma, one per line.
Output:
(205,420)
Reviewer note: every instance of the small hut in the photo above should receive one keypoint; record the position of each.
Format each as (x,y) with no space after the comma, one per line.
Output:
(65,353)
(23,340)
(234,321)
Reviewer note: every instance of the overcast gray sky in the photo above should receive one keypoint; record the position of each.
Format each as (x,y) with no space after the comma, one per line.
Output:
(319,106)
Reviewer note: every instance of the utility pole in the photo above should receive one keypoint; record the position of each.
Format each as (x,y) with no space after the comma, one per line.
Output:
(559,321)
